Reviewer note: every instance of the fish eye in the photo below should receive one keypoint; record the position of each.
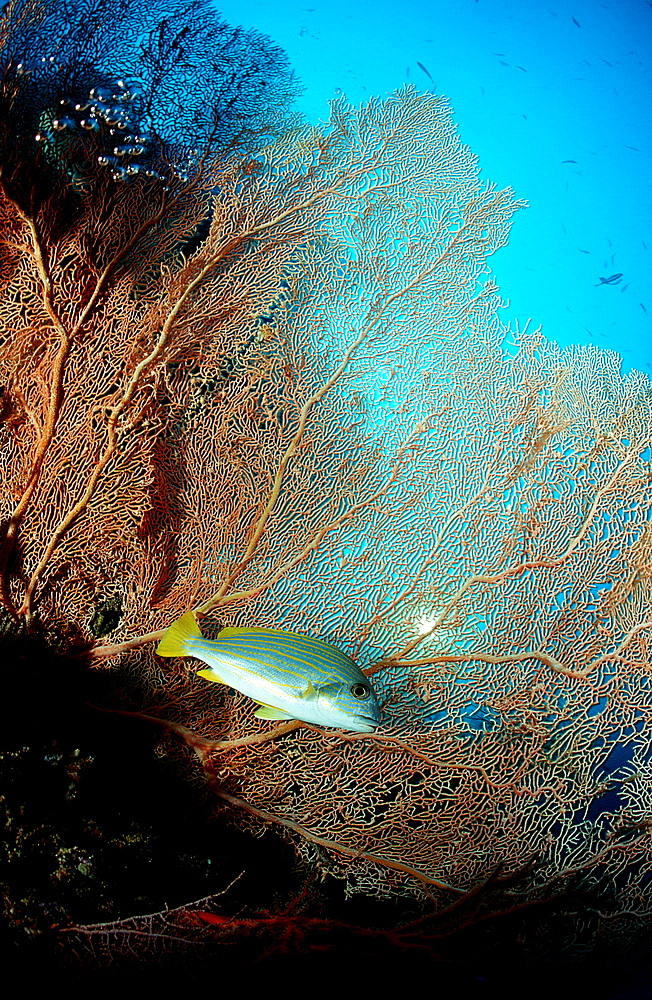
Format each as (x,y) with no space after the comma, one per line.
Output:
(360,691)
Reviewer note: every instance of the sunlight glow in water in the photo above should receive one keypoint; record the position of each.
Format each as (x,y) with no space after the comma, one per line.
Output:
(425,625)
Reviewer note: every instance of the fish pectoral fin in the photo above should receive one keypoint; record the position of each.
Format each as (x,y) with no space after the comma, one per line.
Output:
(269,712)
(210,675)
(310,691)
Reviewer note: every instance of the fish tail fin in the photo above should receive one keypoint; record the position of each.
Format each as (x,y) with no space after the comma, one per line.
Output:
(176,637)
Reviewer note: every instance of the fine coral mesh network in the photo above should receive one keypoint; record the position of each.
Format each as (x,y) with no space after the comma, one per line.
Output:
(315,418)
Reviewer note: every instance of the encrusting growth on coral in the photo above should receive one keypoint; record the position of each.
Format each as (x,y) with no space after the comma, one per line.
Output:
(266,377)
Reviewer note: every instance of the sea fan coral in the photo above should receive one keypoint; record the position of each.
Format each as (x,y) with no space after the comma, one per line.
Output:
(315,418)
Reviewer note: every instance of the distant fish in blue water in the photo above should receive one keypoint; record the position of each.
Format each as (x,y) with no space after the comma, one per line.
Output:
(427,72)
(291,676)
(613,279)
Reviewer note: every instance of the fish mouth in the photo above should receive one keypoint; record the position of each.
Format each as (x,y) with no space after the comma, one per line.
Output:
(366,723)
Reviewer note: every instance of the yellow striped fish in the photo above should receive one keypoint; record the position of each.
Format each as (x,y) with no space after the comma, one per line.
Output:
(291,676)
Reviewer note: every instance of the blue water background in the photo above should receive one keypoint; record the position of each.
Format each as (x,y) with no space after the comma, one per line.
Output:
(530,89)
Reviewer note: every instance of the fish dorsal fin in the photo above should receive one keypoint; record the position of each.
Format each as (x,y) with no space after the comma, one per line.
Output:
(234,632)
(210,675)
(269,712)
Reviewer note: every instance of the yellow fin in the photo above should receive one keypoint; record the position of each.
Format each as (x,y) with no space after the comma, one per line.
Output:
(176,636)
(310,691)
(210,675)
(267,712)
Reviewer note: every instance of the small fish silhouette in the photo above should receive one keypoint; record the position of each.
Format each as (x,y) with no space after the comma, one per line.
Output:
(613,279)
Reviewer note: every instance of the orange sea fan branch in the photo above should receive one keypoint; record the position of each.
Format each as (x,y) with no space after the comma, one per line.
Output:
(66,341)
(486,487)
(374,315)
(332,845)
(319,536)
(146,363)
(524,566)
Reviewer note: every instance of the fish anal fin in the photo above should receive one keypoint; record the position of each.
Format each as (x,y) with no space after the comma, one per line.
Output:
(269,712)
(210,675)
